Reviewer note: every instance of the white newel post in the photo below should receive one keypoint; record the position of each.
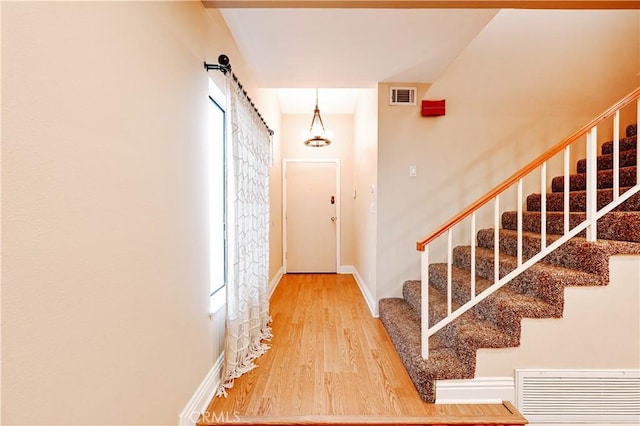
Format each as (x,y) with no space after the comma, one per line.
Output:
(592,184)
(424,301)
(543,206)
(616,156)
(496,239)
(567,183)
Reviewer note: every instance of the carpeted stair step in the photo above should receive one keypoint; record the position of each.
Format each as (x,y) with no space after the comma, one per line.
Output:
(541,285)
(411,291)
(578,182)
(413,299)
(536,274)
(612,226)
(504,308)
(632,130)
(467,333)
(625,144)
(577,253)
(578,201)
(403,327)
(627,158)
(460,282)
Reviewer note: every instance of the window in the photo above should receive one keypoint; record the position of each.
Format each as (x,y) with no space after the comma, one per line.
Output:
(217,197)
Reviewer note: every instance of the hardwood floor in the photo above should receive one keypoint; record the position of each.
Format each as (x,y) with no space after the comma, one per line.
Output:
(330,362)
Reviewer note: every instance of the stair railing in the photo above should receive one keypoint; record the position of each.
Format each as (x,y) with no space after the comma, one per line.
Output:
(540,163)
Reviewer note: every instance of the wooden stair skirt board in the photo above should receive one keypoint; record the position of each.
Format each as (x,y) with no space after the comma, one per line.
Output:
(536,293)
(473,415)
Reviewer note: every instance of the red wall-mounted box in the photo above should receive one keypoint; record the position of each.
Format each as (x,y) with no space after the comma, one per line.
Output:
(433,108)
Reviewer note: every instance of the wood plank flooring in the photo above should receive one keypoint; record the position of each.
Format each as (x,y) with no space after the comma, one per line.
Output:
(330,362)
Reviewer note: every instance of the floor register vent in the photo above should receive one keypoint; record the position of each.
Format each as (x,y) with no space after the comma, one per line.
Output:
(579,396)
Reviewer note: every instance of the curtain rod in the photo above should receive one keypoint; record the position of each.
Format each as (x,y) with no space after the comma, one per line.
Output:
(224,66)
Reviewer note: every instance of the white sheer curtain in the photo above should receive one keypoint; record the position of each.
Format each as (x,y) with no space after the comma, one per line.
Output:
(248,159)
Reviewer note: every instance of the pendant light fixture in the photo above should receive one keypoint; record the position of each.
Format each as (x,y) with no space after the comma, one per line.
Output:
(317,135)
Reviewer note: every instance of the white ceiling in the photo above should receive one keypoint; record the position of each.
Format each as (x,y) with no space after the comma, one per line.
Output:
(330,101)
(348,48)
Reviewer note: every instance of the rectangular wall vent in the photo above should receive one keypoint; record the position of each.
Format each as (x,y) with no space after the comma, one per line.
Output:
(579,396)
(402,95)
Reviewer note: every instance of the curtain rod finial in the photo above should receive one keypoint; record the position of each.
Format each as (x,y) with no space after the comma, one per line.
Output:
(223,60)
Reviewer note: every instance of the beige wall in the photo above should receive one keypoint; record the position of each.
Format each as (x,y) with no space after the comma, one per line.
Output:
(399,146)
(104,209)
(591,334)
(294,127)
(365,178)
(528,80)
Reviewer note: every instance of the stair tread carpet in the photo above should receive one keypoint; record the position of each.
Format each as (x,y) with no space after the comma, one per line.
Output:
(578,201)
(485,267)
(632,130)
(504,308)
(624,144)
(612,226)
(403,326)
(469,332)
(472,331)
(577,253)
(578,182)
(627,158)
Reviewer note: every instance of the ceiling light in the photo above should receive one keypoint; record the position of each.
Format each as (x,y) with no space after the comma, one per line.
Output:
(317,135)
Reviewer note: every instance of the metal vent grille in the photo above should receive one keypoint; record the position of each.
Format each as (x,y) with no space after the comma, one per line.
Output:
(585,396)
(402,95)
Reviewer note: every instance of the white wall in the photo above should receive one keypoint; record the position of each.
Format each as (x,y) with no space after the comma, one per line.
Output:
(528,80)
(104,209)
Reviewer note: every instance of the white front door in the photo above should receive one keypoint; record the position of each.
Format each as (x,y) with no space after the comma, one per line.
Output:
(311,216)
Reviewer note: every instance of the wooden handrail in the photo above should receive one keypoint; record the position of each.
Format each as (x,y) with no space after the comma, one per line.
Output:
(420,245)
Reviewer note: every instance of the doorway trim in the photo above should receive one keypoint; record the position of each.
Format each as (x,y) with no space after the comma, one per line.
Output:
(286,161)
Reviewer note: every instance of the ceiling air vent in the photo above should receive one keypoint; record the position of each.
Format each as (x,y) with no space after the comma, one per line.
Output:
(402,95)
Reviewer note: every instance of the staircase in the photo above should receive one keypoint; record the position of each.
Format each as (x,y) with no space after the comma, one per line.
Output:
(538,292)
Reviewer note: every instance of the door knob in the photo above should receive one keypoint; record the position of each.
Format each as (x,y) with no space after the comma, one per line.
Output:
(333,218)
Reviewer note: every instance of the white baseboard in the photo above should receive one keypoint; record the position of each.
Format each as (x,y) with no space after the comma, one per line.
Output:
(203,395)
(274,282)
(371,302)
(481,390)
(346,269)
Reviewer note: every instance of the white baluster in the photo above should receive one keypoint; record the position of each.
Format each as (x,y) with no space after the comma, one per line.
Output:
(616,156)
(543,206)
(592,184)
(520,223)
(567,159)
(496,240)
(449,272)
(473,255)
(424,302)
